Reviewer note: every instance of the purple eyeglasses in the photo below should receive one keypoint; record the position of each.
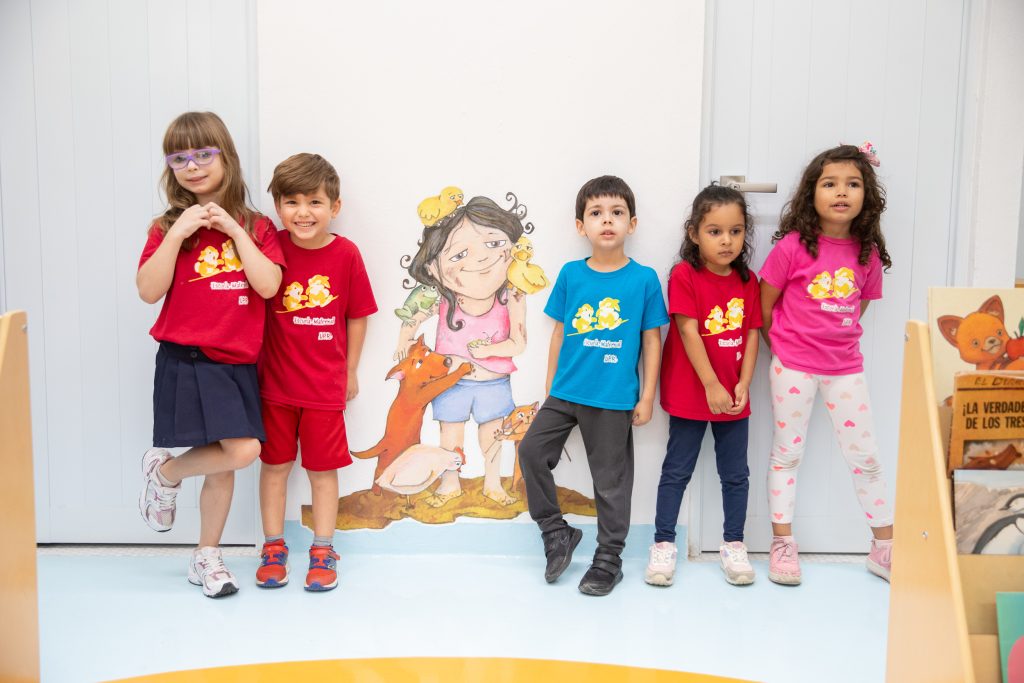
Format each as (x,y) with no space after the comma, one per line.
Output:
(202,157)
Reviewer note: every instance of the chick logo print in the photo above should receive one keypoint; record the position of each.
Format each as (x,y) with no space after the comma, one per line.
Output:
(605,318)
(719,321)
(212,262)
(839,285)
(316,295)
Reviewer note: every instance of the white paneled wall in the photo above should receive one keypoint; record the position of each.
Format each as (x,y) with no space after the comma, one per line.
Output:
(89,88)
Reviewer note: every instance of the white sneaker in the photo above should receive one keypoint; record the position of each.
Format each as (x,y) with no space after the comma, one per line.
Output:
(206,568)
(735,564)
(156,502)
(661,564)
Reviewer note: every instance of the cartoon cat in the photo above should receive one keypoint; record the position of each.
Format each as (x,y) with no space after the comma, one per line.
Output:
(514,428)
(230,256)
(209,262)
(734,313)
(981,337)
(293,297)
(821,287)
(608,314)
(319,291)
(844,284)
(715,323)
(584,320)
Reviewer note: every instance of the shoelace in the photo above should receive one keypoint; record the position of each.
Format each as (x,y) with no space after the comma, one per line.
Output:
(165,496)
(781,551)
(886,554)
(213,565)
(662,555)
(737,555)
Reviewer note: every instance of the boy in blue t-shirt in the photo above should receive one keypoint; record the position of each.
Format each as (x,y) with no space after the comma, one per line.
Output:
(606,308)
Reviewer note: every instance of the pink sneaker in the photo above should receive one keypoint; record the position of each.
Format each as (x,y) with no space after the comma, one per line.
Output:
(880,558)
(783,561)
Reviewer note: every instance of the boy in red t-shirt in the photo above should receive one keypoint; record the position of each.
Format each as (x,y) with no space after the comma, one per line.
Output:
(314,336)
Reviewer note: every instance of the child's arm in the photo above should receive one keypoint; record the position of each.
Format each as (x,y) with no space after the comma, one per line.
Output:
(157,273)
(408,331)
(719,400)
(769,297)
(864,307)
(651,350)
(553,350)
(746,374)
(263,275)
(516,342)
(355,329)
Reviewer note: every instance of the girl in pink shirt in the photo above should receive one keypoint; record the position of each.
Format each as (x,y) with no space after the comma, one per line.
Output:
(816,283)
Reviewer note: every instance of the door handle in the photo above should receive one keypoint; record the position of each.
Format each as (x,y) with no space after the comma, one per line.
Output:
(739,182)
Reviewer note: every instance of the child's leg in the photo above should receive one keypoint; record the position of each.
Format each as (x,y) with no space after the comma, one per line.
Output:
(608,438)
(491,449)
(792,399)
(684,438)
(849,407)
(324,486)
(731,458)
(214,504)
(273,493)
(453,434)
(227,455)
(539,453)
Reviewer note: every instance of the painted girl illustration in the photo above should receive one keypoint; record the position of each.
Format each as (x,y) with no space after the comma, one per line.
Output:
(466,256)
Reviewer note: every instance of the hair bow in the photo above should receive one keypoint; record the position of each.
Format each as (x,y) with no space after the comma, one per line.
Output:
(870,153)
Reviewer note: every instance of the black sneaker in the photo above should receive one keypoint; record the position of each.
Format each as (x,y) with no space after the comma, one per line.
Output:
(604,573)
(558,547)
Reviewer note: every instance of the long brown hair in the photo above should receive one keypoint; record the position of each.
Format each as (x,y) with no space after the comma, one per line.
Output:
(712,197)
(799,215)
(193,130)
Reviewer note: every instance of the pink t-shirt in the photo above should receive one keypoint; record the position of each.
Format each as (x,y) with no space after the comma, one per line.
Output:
(816,321)
(492,326)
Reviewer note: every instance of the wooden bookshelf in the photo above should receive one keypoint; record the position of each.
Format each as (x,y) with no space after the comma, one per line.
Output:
(942,614)
(19,629)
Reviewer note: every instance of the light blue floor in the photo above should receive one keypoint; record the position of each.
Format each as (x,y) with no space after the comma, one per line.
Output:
(106,617)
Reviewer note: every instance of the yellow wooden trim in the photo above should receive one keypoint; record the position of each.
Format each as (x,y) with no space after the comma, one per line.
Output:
(19,627)
(447,669)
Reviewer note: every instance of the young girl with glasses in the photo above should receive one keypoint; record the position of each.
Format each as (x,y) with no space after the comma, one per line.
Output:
(214,261)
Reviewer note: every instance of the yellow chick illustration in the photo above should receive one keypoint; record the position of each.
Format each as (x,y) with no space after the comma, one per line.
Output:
(209,262)
(584,320)
(319,291)
(230,256)
(845,283)
(524,276)
(821,287)
(608,314)
(715,323)
(432,209)
(293,297)
(734,313)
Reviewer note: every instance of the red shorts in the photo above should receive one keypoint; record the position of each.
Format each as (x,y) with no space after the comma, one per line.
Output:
(320,432)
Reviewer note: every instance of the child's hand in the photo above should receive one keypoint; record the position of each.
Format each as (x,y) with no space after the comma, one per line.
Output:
(742,396)
(190,220)
(642,413)
(479,348)
(352,390)
(719,400)
(222,221)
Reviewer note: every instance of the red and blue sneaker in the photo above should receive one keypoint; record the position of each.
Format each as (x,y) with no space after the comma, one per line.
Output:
(323,568)
(273,569)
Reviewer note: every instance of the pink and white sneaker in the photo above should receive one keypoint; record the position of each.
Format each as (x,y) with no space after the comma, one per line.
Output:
(880,558)
(784,561)
(156,501)
(735,563)
(661,564)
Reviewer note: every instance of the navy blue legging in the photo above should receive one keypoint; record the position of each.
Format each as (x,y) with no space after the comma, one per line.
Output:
(684,438)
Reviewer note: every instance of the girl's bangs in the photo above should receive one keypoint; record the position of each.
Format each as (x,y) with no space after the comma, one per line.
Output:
(191,132)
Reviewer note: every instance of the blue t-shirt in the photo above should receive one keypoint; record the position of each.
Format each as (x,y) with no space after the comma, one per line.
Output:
(604,315)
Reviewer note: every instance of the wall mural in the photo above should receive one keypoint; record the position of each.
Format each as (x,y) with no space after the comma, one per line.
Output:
(469,279)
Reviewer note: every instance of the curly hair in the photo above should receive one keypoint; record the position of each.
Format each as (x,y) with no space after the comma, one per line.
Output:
(800,216)
(711,197)
(481,211)
(193,130)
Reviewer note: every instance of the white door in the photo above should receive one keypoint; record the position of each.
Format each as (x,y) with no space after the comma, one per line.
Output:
(785,80)
(89,89)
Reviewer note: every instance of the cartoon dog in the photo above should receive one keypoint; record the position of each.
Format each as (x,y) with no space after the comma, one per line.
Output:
(209,262)
(982,339)
(422,376)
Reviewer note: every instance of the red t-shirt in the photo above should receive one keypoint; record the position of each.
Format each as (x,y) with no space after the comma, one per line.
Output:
(210,303)
(304,354)
(726,309)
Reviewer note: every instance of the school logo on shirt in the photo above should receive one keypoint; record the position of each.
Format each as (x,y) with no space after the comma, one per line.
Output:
(316,294)
(719,321)
(212,262)
(606,317)
(828,286)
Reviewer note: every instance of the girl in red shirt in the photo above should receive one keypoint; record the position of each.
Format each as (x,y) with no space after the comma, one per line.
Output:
(213,260)
(706,370)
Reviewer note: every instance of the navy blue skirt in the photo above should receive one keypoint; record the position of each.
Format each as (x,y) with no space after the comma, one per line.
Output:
(197,401)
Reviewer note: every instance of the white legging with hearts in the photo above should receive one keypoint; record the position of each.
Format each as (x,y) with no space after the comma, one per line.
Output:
(846,398)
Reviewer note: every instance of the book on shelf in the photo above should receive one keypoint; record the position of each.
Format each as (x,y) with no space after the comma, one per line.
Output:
(988,511)
(987,423)
(1010,618)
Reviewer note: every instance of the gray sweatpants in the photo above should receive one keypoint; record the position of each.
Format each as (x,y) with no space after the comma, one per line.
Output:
(608,439)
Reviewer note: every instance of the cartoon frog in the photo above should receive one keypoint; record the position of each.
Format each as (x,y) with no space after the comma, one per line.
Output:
(421,298)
